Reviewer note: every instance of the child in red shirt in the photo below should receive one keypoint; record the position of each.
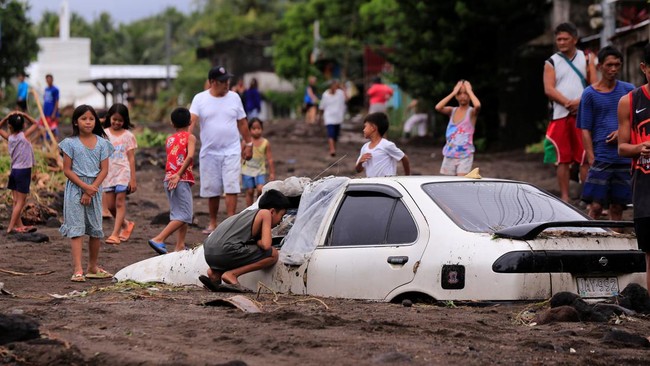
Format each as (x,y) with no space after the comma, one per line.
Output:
(178,182)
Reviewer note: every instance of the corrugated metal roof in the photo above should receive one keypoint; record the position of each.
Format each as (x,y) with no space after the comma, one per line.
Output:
(112,72)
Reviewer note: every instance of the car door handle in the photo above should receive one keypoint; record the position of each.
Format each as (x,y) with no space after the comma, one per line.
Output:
(398,259)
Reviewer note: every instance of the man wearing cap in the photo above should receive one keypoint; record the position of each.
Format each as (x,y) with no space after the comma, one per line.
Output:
(220,114)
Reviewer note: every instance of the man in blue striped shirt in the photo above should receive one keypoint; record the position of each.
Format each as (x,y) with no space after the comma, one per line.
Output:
(608,181)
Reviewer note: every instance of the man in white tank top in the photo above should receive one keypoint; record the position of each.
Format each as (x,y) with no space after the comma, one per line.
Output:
(566,74)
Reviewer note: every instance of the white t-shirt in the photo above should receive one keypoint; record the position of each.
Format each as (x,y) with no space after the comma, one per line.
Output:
(333,107)
(384,159)
(218,118)
(567,80)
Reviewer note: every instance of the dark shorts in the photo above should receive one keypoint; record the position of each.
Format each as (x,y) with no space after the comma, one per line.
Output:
(333,131)
(307,106)
(20,179)
(642,229)
(236,255)
(608,183)
(22,104)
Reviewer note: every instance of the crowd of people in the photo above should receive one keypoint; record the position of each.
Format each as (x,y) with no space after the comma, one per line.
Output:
(598,123)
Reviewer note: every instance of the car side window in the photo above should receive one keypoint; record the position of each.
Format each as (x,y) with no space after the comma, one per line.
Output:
(402,227)
(371,218)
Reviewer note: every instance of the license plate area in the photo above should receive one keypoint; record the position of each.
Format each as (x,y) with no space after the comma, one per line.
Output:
(597,286)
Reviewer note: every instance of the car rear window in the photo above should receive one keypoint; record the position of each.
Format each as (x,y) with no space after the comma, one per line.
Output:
(486,206)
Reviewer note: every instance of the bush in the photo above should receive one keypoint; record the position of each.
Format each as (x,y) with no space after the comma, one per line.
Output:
(149,138)
(283,102)
(536,148)
(44,176)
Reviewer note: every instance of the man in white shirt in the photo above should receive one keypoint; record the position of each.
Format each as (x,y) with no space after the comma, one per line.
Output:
(221,117)
(566,74)
(333,107)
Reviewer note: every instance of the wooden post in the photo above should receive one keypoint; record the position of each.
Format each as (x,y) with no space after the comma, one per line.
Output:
(53,145)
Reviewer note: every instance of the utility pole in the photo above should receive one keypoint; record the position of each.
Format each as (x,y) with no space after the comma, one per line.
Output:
(609,22)
(168,52)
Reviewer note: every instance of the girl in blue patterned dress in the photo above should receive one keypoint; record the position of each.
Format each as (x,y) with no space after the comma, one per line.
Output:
(85,164)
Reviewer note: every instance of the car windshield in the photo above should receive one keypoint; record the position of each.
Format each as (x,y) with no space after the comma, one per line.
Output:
(489,206)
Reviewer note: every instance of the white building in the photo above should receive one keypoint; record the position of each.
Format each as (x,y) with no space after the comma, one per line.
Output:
(68,61)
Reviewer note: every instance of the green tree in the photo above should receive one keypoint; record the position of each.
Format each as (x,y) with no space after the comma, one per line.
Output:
(436,43)
(48,26)
(222,20)
(341,38)
(17,41)
(105,40)
(219,20)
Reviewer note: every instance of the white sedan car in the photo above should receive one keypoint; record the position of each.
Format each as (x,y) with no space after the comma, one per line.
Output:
(444,238)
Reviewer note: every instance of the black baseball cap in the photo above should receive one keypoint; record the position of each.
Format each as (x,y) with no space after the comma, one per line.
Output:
(219,73)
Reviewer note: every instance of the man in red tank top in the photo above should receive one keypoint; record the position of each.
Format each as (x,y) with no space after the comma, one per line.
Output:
(634,142)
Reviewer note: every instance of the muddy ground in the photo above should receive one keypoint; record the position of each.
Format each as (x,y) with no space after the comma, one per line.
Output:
(109,324)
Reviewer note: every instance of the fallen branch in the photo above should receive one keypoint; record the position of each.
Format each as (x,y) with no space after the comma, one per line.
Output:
(311,299)
(25,274)
(259,289)
(261,285)
(526,316)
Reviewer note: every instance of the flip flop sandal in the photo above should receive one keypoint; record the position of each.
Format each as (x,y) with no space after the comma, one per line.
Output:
(125,234)
(23,230)
(206,231)
(78,277)
(160,248)
(101,274)
(112,240)
(237,288)
(209,284)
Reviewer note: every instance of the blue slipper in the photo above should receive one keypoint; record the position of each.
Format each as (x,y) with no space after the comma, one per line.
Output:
(158,247)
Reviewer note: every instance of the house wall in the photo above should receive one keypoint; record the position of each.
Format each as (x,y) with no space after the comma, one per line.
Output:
(631,44)
(68,60)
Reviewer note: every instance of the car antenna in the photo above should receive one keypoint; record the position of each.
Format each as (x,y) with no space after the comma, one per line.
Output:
(329,167)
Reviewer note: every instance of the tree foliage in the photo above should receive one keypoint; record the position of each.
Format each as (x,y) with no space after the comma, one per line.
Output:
(436,43)
(221,20)
(17,41)
(340,31)
(143,41)
(431,44)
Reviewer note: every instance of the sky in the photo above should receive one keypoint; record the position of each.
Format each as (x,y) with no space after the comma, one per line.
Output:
(122,11)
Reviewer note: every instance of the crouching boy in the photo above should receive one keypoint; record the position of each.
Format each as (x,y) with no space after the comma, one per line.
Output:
(242,243)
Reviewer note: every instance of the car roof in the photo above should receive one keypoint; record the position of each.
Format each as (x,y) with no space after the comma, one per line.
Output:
(421,179)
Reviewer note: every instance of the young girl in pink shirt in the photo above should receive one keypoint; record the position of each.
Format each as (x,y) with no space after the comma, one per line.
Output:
(121,171)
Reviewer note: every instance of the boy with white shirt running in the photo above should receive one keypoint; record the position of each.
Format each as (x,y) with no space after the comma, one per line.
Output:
(379,156)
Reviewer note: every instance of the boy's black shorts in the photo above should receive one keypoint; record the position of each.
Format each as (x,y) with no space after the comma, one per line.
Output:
(642,229)
(22,104)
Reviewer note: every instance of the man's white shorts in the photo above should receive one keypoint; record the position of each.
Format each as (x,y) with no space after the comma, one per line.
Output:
(219,174)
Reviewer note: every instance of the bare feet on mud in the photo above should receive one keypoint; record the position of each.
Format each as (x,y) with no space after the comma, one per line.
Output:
(229,278)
